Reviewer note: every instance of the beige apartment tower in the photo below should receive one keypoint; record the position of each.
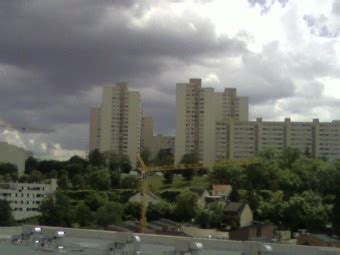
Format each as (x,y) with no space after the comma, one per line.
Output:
(116,125)
(197,110)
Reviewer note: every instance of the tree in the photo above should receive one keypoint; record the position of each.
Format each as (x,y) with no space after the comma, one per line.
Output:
(129,182)
(57,211)
(84,215)
(95,200)
(74,168)
(63,182)
(203,218)
(164,157)
(186,206)
(115,179)
(100,180)
(110,213)
(307,211)
(30,165)
(228,173)
(6,218)
(96,158)
(35,177)
(78,182)
(336,208)
(289,156)
(132,211)
(125,164)
(145,155)
(274,208)
(159,210)
(217,215)
(10,170)
(189,158)
(168,178)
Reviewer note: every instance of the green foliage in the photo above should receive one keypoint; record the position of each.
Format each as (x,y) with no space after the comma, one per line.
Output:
(186,206)
(170,195)
(336,208)
(63,182)
(115,179)
(96,158)
(228,173)
(9,171)
(125,164)
(129,182)
(216,211)
(168,178)
(100,180)
(307,211)
(31,164)
(6,218)
(164,157)
(159,210)
(110,213)
(145,155)
(78,182)
(84,215)
(189,158)
(57,211)
(95,200)
(203,218)
(35,177)
(132,211)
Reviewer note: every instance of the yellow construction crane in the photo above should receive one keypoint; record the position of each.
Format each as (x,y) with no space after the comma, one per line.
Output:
(144,169)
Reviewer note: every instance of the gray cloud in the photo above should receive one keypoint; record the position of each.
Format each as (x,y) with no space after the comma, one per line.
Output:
(53,53)
(318,26)
(266,4)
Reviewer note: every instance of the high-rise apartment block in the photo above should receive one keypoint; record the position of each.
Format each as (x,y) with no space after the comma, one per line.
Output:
(116,125)
(245,139)
(197,110)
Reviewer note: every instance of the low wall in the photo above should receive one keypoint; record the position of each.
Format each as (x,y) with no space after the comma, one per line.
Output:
(248,247)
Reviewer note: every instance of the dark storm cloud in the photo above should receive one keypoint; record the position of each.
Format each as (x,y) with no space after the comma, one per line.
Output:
(53,52)
(94,44)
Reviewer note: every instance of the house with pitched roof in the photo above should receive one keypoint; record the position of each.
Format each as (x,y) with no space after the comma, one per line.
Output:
(238,214)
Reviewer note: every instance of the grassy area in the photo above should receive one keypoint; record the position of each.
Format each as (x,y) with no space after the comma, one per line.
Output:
(156,183)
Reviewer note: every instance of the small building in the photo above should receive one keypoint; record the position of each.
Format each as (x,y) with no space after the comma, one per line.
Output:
(221,190)
(202,194)
(14,155)
(264,231)
(238,214)
(149,197)
(318,240)
(25,198)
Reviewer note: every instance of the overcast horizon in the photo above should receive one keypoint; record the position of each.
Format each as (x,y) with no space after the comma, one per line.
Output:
(55,57)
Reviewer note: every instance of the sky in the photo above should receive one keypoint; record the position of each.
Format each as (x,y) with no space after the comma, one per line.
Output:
(55,57)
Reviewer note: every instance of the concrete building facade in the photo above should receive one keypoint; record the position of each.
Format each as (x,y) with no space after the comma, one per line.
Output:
(197,110)
(14,155)
(147,130)
(116,125)
(245,139)
(25,198)
(162,142)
